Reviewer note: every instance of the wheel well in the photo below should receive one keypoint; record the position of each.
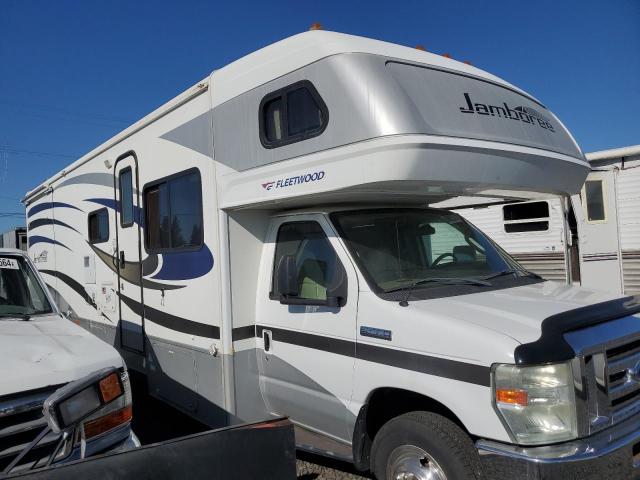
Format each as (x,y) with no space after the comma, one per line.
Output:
(383,405)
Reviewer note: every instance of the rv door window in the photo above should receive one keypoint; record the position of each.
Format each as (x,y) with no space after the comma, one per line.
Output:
(98,226)
(126,197)
(317,264)
(173,213)
(292,114)
(594,198)
(526,217)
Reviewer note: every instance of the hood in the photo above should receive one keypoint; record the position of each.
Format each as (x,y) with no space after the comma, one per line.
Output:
(517,312)
(48,350)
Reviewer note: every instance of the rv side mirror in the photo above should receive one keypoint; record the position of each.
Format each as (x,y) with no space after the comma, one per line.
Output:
(288,277)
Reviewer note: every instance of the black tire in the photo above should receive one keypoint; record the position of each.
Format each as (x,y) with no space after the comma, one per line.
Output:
(442,439)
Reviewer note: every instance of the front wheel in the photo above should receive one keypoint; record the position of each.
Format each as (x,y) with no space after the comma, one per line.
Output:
(423,446)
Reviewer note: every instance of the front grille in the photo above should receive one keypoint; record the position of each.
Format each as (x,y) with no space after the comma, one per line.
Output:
(21,420)
(623,387)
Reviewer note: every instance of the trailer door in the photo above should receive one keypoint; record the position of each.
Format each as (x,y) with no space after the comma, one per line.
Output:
(128,238)
(600,262)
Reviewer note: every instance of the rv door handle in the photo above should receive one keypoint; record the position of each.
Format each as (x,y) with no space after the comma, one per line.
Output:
(267,338)
(121,258)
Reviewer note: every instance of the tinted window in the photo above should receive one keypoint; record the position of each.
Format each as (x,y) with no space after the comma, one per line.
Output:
(517,217)
(595,200)
(126,198)
(99,226)
(20,291)
(303,113)
(173,213)
(292,114)
(316,260)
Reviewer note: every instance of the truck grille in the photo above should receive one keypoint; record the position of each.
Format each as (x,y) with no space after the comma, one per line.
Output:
(21,420)
(623,387)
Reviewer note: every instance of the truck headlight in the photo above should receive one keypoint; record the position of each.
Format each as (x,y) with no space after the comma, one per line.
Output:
(98,403)
(537,403)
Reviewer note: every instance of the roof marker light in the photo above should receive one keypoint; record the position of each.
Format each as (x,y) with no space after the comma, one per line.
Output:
(315,26)
(420,47)
(446,55)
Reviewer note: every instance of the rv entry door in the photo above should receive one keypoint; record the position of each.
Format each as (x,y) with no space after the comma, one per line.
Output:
(600,262)
(128,238)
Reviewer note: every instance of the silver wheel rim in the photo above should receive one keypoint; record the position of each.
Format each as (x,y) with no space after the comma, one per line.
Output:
(409,462)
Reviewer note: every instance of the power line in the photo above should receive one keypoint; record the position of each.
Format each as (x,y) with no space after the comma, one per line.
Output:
(12,149)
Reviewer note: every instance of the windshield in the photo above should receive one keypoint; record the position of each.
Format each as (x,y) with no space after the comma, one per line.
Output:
(20,291)
(398,248)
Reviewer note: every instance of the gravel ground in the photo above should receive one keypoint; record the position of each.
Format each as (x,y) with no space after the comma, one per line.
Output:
(147,410)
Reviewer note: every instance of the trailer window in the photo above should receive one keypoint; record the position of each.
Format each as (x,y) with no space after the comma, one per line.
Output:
(594,197)
(526,217)
(319,269)
(98,226)
(173,213)
(292,114)
(126,197)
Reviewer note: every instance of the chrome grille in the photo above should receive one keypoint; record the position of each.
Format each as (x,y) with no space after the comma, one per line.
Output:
(623,387)
(21,420)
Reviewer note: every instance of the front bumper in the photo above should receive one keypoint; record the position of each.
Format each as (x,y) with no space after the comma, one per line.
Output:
(611,454)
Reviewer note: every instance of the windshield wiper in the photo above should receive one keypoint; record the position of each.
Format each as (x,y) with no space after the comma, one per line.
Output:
(524,273)
(442,281)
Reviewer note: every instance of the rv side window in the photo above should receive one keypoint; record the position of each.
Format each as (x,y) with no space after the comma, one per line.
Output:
(126,197)
(594,197)
(173,213)
(98,226)
(318,268)
(526,217)
(292,114)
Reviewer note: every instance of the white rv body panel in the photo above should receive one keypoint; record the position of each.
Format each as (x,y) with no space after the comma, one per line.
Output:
(185,257)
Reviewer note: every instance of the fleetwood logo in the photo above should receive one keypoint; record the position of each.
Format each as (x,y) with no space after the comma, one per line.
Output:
(520,114)
(297,180)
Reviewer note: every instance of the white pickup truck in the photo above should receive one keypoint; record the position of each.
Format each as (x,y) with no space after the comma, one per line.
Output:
(41,351)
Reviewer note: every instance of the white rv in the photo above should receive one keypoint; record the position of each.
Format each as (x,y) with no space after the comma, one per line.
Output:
(601,249)
(262,245)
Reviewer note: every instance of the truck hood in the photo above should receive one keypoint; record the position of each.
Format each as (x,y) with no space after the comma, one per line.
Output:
(517,312)
(48,350)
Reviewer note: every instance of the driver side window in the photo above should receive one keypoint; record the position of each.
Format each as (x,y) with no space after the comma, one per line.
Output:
(317,265)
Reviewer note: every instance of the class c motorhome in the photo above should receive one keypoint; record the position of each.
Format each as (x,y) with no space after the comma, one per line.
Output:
(266,243)
(602,247)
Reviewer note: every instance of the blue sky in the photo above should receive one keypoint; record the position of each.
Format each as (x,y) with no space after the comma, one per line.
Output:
(73,73)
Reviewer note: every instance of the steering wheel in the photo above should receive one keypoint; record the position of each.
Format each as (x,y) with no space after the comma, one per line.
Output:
(442,257)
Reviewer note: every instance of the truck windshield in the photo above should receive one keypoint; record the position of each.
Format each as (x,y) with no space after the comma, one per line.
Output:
(20,292)
(398,248)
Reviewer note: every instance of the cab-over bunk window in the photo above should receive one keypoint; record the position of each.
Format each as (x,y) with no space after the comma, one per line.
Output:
(526,217)
(173,213)
(292,114)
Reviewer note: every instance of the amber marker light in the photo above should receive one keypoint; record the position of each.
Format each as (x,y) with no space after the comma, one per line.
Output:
(108,422)
(315,26)
(110,388)
(513,397)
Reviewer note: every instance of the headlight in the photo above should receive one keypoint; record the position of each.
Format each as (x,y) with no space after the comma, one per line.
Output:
(536,403)
(98,403)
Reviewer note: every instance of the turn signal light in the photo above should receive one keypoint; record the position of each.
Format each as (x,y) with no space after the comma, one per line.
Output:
(107,422)
(110,388)
(513,397)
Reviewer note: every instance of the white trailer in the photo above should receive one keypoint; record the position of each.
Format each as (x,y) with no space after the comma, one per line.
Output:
(261,245)
(15,238)
(602,246)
